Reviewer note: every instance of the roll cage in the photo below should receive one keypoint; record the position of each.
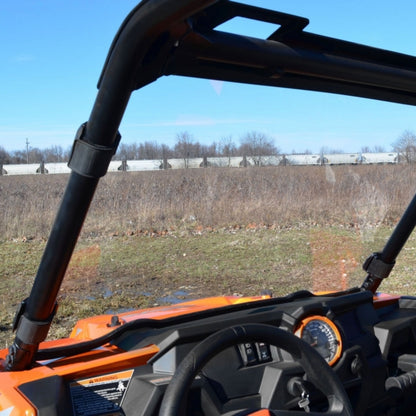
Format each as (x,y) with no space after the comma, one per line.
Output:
(169,37)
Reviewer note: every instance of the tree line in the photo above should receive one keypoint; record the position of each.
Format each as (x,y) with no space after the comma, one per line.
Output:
(253,144)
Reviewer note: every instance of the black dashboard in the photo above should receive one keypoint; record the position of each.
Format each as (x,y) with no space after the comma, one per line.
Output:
(370,350)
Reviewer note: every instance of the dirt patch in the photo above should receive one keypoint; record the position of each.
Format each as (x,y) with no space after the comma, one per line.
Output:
(82,272)
(334,260)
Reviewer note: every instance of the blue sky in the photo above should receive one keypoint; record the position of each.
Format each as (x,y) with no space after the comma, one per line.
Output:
(52,52)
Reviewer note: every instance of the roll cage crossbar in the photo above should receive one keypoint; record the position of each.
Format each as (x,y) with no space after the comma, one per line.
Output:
(170,37)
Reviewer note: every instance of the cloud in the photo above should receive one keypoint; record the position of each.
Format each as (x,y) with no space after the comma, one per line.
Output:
(191,120)
(194,120)
(23,58)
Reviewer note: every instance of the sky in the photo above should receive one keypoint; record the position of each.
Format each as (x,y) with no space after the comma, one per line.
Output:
(52,53)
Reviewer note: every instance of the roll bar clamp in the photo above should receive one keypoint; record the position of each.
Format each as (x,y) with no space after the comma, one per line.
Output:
(88,159)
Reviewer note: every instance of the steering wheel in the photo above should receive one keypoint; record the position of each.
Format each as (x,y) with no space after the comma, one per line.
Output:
(315,367)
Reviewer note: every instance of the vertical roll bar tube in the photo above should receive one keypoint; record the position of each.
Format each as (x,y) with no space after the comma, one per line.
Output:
(35,315)
(379,265)
(92,151)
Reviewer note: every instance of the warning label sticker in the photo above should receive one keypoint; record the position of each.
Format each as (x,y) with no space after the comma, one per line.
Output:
(101,395)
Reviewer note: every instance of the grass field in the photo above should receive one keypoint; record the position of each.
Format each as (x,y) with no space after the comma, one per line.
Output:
(169,236)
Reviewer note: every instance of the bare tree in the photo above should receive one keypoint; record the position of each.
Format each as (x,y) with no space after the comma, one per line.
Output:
(185,147)
(18,156)
(227,148)
(53,154)
(378,149)
(405,146)
(150,150)
(127,152)
(4,156)
(375,149)
(165,154)
(36,155)
(209,150)
(258,146)
(365,149)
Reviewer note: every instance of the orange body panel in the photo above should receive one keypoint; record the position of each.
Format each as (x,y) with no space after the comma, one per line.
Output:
(96,362)
(97,326)
(381,300)
(104,360)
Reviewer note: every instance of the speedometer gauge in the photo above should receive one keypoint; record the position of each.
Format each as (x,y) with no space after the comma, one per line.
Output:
(323,335)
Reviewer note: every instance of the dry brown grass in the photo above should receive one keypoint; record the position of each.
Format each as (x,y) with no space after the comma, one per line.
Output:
(244,256)
(133,202)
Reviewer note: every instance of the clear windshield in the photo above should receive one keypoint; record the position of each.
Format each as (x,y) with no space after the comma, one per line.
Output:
(220,189)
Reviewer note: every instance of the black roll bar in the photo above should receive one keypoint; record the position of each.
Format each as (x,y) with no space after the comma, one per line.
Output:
(98,138)
(379,265)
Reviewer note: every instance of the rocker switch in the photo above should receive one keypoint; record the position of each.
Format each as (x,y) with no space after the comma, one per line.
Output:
(250,353)
(263,350)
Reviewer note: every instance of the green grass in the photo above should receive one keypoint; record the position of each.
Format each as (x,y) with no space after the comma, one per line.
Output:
(111,274)
(222,262)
